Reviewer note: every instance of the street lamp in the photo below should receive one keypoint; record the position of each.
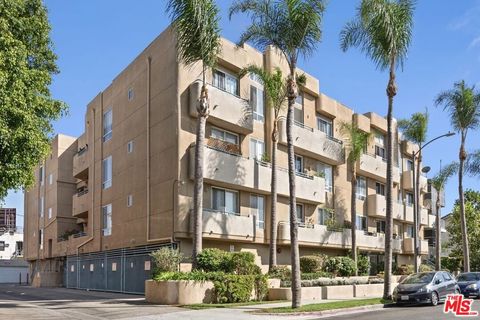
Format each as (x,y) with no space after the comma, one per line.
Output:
(416,196)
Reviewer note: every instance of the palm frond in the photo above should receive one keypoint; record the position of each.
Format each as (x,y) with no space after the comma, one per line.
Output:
(472,166)
(196,25)
(356,140)
(440,179)
(415,129)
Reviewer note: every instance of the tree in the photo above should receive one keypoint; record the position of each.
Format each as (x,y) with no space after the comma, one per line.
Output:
(454,228)
(415,130)
(383,31)
(294,28)
(438,182)
(472,166)
(463,105)
(196,25)
(27,64)
(275,89)
(355,142)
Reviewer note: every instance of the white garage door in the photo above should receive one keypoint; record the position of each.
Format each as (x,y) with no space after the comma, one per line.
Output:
(12,274)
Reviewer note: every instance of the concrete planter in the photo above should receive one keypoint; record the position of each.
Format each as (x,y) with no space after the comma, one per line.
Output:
(337,292)
(368,290)
(273,283)
(179,292)
(308,293)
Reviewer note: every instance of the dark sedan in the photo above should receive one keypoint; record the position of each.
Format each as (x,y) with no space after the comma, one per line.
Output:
(430,287)
(469,284)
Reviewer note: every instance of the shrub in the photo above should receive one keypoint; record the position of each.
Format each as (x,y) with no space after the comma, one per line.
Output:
(404,269)
(213,259)
(234,288)
(166,260)
(425,268)
(194,275)
(243,263)
(280,272)
(315,275)
(310,264)
(452,264)
(342,266)
(363,265)
(261,287)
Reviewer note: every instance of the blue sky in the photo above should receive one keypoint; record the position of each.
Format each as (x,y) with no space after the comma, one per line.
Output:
(95,40)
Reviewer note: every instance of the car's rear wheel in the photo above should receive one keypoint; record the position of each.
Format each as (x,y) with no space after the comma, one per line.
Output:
(434,299)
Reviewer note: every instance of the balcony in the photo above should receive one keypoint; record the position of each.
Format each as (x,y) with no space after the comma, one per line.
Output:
(226,110)
(228,168)
(424,216)
(409,247)
(313,143)
(80,163)
(315,235)
(376,241)
(375,167)
(409,213)
(431,220)
(220,225)
(81,202)
(398,210)
(376,205)
(408,181)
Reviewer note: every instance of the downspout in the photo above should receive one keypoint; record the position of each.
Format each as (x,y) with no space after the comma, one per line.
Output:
(92,180)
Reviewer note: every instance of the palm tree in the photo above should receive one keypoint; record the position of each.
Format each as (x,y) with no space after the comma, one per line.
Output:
(438,182)
(196,25)
(463,105)
(355,142)
(472,165)
(274,86)
(383,31)
(415,130)
(294,27)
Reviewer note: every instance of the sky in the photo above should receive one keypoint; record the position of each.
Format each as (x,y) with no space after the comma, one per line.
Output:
(95,40)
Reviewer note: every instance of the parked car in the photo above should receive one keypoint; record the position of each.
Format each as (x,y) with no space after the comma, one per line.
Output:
(469,284)
(429,287)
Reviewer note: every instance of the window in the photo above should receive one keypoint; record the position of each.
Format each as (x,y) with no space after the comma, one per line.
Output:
(130,146)
(409,199)
(107,173)
(257,149)
(380,145)
(129,200)
(300,213)
(107,219)
(361,188)
(257,103)
(107,125)
(298,114)
(225,200)
(49,213)
(380,226)
(323,216)
(380,188)
(328,174)
(257,203)
(226,82)
(379,151)
(399,196)
(409,165)
(325,125)
(130,94)
(50,178)
(41,175)
(298,164)
(224,136)
(299,99)
(40,238)
(2,245)
(41,204)
(409,231)
(361,223)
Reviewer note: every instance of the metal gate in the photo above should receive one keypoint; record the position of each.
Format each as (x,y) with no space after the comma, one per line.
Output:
(121,270)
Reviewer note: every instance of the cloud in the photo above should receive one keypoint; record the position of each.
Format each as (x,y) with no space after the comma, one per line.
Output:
(475,42)
(467,19)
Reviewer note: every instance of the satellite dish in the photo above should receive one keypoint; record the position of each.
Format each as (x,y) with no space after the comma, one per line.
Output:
(426,169)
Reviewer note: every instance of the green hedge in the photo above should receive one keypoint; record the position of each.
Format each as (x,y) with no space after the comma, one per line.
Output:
(216,260)
(311,264)
(340,266)
(280,272)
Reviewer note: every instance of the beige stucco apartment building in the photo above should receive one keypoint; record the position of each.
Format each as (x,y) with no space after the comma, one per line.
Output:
(125,186)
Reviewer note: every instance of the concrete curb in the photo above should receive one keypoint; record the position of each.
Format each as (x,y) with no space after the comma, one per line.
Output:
(330,313)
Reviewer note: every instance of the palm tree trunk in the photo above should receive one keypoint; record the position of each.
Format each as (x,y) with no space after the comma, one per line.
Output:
(463,220)
(438,248)
(202,109)
(391,92)
(294,250)
(353,216)
(273,216)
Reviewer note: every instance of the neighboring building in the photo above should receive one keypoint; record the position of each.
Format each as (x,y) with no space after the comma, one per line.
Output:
(103,201)
(8,219)
(11,244)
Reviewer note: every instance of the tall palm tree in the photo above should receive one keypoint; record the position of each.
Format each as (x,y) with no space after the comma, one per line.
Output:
(438,182)
(383,31)
(294,27)
(415,130)
(274,86)
(463,105)
(196,25)
(355,142)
